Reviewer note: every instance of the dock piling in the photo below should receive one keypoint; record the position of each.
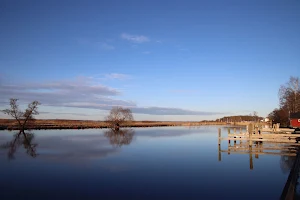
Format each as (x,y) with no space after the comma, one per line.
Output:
(257,149)
(219,139)
(219,157)
(251,158)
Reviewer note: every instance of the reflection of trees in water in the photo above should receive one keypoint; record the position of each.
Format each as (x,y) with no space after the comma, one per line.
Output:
(119,137)
(20,139)
(287,162)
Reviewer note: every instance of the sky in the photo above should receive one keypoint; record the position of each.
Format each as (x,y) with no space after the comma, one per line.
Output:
(165,60)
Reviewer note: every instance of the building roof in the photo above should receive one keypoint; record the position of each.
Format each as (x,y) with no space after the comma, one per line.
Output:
(295,115)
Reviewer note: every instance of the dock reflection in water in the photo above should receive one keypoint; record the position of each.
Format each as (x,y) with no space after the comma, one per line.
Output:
(286,151)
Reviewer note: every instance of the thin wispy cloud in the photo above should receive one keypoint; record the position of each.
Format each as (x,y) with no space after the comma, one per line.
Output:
(109,76)
(184,91)
(65,113)
(83,41)
(95,44)
(74,93)
(82,92)
(170,111)
(106,46)
(146,52)
(135,38)
(117,76)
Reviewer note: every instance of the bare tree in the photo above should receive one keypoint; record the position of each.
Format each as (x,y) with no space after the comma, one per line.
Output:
(24,119)
(289,95)
(255,116)
(118,116)
(280,115)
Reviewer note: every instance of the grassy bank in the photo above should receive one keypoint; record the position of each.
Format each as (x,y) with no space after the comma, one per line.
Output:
(84,124)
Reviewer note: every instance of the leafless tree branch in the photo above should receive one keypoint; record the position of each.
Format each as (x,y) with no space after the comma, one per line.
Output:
(22,118)
(118,116)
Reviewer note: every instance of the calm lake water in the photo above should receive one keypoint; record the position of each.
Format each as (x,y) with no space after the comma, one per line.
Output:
(142,163)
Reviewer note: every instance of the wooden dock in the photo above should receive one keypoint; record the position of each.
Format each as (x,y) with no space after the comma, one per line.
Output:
(256,141)
(288,192)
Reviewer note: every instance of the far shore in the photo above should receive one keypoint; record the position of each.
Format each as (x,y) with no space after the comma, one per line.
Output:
(10,124)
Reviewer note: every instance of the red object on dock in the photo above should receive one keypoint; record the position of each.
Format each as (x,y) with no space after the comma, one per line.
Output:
(295,120)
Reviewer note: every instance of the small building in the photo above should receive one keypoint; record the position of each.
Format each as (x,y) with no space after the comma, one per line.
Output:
(295,120)
(266,119)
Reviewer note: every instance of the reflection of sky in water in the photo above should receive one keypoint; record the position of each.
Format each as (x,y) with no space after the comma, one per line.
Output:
(170,162)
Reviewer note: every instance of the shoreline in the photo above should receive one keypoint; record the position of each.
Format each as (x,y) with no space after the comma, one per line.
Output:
(10,124)
(57,124)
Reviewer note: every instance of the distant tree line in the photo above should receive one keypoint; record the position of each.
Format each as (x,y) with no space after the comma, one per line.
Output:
(241,118)
(289,102)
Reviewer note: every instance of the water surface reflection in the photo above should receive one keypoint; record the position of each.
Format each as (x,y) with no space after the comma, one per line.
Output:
(20,139)
(152,163)
(119,137)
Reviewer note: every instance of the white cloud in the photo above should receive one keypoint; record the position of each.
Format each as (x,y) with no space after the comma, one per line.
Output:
(117,76)
(82,92)
(69,93)
(135,38)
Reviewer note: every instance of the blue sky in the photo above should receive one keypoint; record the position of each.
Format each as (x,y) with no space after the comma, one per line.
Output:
(166,60)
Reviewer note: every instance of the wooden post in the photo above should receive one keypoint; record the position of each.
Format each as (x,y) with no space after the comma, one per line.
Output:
(219,136)
(219,157)
(261,145)
(234,130)
(234,145)
(250,129)
(240,130)
(229,145)
(228,135)
(257,149)
(256,130)
(250,142)
(250,158)
(219,144)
